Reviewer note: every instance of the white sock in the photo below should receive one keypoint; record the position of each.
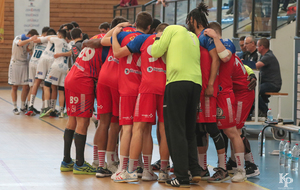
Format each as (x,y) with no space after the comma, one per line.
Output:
(116,153)
(140,163)
(202,161)
(147,162)
(133,163)
(101,157)
(222,160)
(43,104)
(249,157)
(95,153)
(46,103)
(239,157)
(15,105)
(53,104)
(110,157)
(32,97)
(22,105)
(123,163)
(61,109)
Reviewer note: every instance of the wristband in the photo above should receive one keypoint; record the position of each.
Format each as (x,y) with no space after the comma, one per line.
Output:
(253,76)
(157,38)
(223,54)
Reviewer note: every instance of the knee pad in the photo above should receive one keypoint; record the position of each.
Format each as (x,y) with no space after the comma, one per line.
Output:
(61,88)
(225,140)
(215,134)
(201,135)
(246,145)
(48,84)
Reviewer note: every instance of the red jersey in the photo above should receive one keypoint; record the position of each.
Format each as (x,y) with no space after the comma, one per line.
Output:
(239,76)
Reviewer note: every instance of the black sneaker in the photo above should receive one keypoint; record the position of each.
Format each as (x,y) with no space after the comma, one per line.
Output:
(231,166)
(16,111)
(251,169)
(30,111)
(220,176)
(204,174)
(46,112)
(156,165)
(24,109)
(36,111)
(177,183)
(103,172)
(54,113)
(139,171)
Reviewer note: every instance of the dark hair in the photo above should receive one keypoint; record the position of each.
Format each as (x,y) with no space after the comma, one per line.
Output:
(216,27)
(51,31)
(143,20)
(76,33)
(61,27)
(199,14)
(75,24)
(69,26)
(45,29)
(63,33)
(69,35)
(161,27)
(264,42)
(155,24)
(33,32)
(117,21)
(104,25)
(242,38)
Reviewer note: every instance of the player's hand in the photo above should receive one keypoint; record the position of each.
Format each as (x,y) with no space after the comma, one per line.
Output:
(252,84)
(33,38)
(159,34)
(209,91)
(210,32)
(117,30)
(84,44)
(124,24)
(126,4)
(163,2)
(56,55)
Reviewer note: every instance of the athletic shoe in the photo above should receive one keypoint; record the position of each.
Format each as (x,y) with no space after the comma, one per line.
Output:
(126,176)
(24,109)
(177,183)
(16,111)
(239,175)
(149,175)
(85,169)
(156,165)
(113,167)
(66,167)
(220,176)
(162,176)
(117,174)
(204,174)
(231,166)
(61,114)
(103,172)
(30,111)
(46,112)
(139,171)
(53,113)
(251,169)
(36,111)
(195,179)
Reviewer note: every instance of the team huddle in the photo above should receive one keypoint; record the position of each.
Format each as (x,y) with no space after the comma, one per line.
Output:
(129,71)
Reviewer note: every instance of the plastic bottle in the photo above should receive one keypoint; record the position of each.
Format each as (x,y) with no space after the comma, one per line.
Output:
(281,153)
(295,158)
(259,143)
(288,154)
(269,115)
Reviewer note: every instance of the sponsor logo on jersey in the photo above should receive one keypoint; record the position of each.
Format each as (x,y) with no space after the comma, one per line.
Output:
(40,73)
(111,58)
(150,69)
(53,78)
(147,116)
(127,71)
(73,108)
(220,113)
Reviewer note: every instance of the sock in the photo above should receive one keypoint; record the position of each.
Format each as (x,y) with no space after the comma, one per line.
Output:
(68,139)
(133,164)
(15,105)
(43,104)
(61,109)
(222,160)
(101,157)
(141,164)
(164,165)
(80,145)
(46,103)
(203,161)
(53,104)
(249,157)
(147,161)
(123,162)
(110,157)
(116,157)
(32,97)
(95,152)
(239,157)
(22,105)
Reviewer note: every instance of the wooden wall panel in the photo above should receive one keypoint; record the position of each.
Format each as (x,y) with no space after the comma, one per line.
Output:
(89,14)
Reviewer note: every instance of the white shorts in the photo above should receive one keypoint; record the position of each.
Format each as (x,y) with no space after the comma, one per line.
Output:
(56,76)
(43,66)
(33,74)
(18,74)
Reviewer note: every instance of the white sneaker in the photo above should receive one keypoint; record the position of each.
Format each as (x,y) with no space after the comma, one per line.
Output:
(239,175)
(126,176)
(117,174)
(61,114)
(163,176)
(149,175)
(113,167)
(16,111)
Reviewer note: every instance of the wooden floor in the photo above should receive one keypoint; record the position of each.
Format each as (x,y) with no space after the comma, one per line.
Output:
(31,150)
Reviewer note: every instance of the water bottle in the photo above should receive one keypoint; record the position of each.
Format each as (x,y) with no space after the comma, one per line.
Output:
(295,158)
(288,154)
(269,115)
(259,143)
(281,153)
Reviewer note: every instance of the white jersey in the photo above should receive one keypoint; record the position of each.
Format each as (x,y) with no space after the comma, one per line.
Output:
(50,48)
(19,54)
(38,50)
(61,46)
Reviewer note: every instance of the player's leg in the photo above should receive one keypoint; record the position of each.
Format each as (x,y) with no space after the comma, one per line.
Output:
(24,94)
(202,146)
(33,93)
(113,134)
(61,92)
(14,96)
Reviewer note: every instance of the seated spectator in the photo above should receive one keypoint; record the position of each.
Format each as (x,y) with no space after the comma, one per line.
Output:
(104,27)
(243,52)
(128,3)
(270,78)
(252,57)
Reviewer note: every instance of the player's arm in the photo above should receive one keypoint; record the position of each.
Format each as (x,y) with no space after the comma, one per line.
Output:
(26,41)
(106,40)
(215,64)
(93,43)
(223,53)
(259,64)
(117,49)
(65,54)
(161,43)
(251,78)
(249,70)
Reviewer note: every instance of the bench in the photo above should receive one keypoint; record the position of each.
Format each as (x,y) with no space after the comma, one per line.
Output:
(286,126)
(279,95)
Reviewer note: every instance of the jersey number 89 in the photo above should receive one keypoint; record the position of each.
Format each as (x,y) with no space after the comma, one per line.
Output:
(74,100)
